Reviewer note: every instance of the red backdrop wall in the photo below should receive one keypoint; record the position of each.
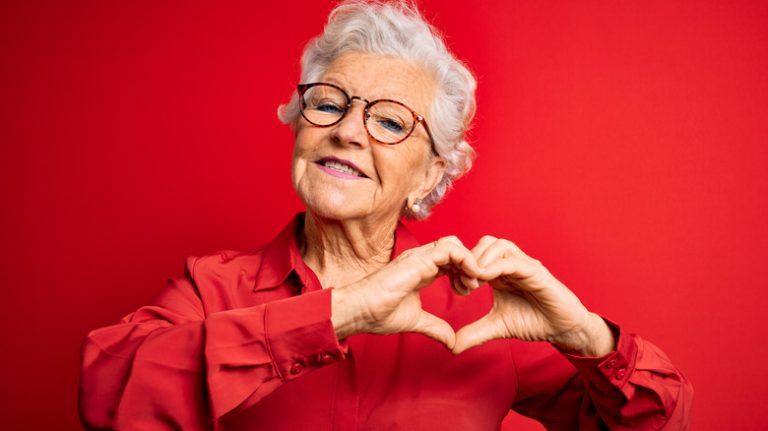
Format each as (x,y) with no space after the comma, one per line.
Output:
(624,144)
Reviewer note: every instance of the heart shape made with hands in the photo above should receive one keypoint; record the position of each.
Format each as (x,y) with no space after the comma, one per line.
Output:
(528,302)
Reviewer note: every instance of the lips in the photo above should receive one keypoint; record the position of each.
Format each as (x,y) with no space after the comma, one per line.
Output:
(342,166)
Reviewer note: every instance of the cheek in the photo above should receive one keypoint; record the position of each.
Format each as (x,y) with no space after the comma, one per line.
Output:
(307,138)
(398,170)
(298,168)
(302,154)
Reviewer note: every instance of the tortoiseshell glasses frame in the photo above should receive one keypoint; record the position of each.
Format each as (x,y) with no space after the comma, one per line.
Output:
(417,118)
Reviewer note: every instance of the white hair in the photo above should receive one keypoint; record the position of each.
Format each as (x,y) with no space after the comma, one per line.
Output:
(396,28)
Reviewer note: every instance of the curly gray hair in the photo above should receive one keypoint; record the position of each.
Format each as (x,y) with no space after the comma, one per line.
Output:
(396,28)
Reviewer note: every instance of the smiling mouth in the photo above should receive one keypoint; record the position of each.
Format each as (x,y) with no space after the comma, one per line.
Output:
(341,166)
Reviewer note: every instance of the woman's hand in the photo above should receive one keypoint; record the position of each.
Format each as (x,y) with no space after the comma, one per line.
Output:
(530,304)
(387,301)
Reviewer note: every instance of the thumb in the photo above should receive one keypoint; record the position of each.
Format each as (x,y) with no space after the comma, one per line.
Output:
(478,332)
(435,328)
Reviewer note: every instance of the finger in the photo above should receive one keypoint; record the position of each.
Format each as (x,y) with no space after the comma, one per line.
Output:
(449,256)
(476,333)
(435,328)
(469,283)
(491,253)
(459,284)
(500,249)
(454,253)
(512,267)
(482,245)
(451,239)
(461,281)
(514,249)
(465,285)
(517,251)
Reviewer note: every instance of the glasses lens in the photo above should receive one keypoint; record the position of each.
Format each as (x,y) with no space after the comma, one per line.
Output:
(389,122)
(323,105)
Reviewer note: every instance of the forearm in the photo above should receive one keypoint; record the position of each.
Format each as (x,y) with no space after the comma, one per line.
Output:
(229,360)
(634,387)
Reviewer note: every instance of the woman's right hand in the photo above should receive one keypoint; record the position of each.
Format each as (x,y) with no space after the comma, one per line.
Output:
(387,301)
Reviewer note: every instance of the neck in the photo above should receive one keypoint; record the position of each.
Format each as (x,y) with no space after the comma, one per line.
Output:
(343,251)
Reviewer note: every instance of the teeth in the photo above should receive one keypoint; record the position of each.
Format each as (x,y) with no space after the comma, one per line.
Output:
(342,168)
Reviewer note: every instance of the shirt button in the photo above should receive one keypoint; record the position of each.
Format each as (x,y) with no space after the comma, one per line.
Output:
(610,364)
(325,359)
(620,373)
(296,369)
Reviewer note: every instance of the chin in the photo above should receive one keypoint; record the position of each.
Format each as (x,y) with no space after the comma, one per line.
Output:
(333,207)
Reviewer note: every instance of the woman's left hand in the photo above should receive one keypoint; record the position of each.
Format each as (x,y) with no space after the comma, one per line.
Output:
(530,304)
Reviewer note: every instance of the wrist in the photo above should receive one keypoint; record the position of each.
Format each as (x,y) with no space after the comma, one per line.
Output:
(344,316)
(593,339)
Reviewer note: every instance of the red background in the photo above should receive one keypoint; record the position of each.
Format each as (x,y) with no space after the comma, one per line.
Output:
(624,144)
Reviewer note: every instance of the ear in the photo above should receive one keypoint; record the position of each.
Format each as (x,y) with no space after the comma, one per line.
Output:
(433,173)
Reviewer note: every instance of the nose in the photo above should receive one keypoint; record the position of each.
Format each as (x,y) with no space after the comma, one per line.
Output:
(351,129)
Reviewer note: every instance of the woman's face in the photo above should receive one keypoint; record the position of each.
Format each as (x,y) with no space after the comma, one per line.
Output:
(385,177)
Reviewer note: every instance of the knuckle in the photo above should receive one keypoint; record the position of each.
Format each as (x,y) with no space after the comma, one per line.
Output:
(511,245)
(421,265)
(488,238)
(451,239)
(507,242)
(407,254)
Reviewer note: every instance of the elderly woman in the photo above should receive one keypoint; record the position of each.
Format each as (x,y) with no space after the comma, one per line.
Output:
(343,321)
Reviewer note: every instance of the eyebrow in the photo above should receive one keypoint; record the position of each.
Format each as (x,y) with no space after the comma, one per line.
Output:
(329,79)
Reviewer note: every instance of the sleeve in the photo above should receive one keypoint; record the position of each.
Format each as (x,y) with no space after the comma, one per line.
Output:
(172,366)
(635,387)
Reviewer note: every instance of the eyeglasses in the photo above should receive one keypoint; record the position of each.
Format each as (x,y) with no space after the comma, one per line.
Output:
(386,121)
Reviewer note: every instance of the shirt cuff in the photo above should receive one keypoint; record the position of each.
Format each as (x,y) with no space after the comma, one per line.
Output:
(612,370)
(300,336)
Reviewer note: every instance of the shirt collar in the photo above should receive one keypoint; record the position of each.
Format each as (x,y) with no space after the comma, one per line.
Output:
(281,256)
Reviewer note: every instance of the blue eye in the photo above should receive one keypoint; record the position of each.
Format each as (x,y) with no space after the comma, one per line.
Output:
(391,125)
(329,108)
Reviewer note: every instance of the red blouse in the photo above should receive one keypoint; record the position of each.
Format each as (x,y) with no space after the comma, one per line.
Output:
(244,341)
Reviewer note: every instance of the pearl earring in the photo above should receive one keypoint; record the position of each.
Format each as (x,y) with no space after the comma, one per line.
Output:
(416,207)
